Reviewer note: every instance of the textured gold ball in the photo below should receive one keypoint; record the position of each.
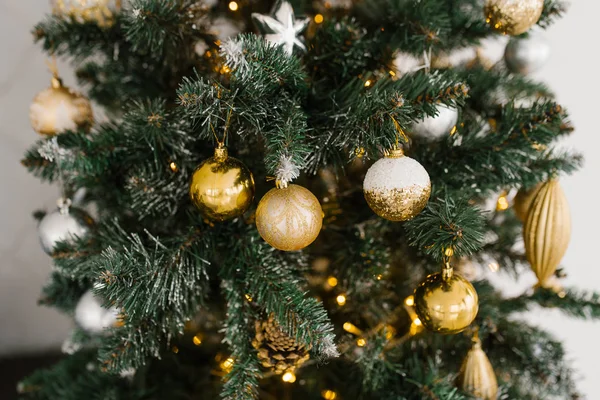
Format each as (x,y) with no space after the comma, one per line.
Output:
(58,109)
(100,12)
(222,187)
(446,304)
(523,201)
(396,187)
(289,218)
(513,17)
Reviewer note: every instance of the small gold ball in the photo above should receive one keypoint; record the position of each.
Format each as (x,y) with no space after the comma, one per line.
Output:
(101,12)
(446,305)
(222,187)
(58,109)
(289,218)
(513,17)
(523,201)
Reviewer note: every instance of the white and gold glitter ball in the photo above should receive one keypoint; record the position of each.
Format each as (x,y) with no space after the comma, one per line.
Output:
(58,109)
(289,218)
(397,187)
(92,317)
(100,12)
(513,17)
(438,126)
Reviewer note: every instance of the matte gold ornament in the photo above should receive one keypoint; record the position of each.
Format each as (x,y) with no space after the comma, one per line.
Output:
(547,230)
(513,17)
(101,12)
(289,218)
(523,201)
(222,187)
(445,302)
(397,187)
(58,109)
(476,375)
(277,350)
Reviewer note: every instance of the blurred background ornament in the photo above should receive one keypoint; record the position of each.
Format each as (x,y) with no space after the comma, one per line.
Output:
(92,317)
(513,17)
(524,55)
(101,12)
(436,126)
(63,225)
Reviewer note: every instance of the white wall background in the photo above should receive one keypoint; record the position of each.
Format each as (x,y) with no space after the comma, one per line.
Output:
(25,327)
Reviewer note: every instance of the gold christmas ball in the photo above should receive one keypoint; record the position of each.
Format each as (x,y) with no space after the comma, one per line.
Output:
(445,302)
(523,201)
(513,17)
(397,187)
(58,109)
(476,375)
(289,218)
(547,230)
(100,12)
(222,187)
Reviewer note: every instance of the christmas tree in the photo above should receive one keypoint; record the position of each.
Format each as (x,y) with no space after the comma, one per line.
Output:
(299,200)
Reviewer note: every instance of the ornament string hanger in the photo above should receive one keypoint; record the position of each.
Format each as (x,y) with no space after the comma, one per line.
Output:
(53,67)
(221,150)
(447,269)
(396,151)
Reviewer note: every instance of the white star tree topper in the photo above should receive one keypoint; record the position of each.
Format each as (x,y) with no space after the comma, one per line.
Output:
(282,28)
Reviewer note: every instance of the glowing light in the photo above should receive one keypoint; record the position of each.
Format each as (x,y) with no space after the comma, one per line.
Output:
(332,281)
(361,342)
(494,266)
(390,332)
(329,395)
(173,166)
(175,349)
(379,277)
(368,83)
(392,73)
(502,203)
(417,322)
(410,301)
(248,297)
(341,299)
(197,340)
(319,18)
(562,294)
(227,365)
(233,6)
(351,328)
(416,326)
(288,377)
(453,131)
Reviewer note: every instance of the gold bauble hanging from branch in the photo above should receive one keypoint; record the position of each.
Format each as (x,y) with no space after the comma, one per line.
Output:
(547,230)
(476,375)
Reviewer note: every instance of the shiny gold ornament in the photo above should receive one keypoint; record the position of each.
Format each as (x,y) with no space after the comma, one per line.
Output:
(101,12)
(58,109)
(476,375)
(547,230)
(513,17)
(222,187)
(277,350)
(397,187)
(445,302)
(289,218)
(523,201)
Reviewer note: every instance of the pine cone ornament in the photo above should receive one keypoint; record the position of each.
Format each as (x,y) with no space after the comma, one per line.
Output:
(277,350)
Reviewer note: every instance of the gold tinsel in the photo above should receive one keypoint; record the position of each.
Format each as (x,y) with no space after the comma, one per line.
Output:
(276,350)
(547,230)
(476,375)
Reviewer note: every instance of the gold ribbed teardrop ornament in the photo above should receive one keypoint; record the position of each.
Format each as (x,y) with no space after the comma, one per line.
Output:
(547,230)
(476,375)
(523,201)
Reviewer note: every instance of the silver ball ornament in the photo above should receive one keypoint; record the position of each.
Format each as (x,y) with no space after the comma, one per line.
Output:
(92,317)
(527,55)
(63,225)
(438,126)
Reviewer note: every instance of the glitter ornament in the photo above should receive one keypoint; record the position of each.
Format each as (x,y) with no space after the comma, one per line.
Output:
(92,317)
(58,109)
(513,17)
(476,375)
(526,55)
(63,225)
(222,187)
(397,187)
(445,302)
(282,28)
(100,12)
(289,218)
(547,230)
(438,126)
